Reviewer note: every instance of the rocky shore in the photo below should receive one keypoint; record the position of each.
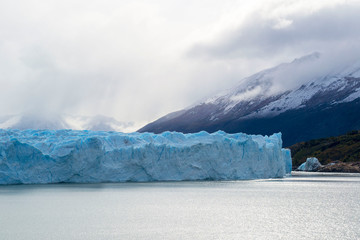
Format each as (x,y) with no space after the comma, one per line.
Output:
(312,164)
(347,167)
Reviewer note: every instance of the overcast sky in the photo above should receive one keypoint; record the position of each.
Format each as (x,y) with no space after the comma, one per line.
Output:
(137,60)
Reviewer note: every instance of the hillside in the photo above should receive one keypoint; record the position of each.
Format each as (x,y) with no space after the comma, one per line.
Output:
(344,148)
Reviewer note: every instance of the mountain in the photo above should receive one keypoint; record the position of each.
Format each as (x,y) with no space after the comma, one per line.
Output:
(304,99)
(56,122)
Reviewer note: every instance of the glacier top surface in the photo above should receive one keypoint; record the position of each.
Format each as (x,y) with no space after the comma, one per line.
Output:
(62,142)
(48,140)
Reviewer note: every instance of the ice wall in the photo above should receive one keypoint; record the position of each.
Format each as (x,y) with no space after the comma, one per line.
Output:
(35,156)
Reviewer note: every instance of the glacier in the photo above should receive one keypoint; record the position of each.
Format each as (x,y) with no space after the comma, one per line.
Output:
(73,156)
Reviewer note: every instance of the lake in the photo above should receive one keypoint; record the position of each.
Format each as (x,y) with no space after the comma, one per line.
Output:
(304,206)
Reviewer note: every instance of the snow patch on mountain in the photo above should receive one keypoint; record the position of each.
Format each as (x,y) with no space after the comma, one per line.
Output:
(352,96)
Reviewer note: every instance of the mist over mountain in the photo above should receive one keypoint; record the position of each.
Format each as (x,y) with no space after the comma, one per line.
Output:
(56,122)
(307,98)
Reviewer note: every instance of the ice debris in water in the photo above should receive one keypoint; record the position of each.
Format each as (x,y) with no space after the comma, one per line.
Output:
(311,164)
(54,156)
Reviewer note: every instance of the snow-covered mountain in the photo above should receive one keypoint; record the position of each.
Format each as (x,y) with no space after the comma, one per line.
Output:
(56,122)
(303,99)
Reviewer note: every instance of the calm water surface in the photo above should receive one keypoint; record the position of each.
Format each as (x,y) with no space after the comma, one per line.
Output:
(304,206)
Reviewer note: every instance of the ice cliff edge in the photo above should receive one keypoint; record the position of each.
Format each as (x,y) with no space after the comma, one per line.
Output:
(54,156)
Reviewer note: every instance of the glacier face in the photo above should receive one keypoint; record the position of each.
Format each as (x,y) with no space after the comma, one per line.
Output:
(53,156)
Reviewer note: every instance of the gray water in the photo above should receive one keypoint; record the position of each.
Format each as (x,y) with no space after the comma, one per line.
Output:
(304,206)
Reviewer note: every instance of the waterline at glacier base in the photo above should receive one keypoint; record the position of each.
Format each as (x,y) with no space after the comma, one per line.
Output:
(69,156)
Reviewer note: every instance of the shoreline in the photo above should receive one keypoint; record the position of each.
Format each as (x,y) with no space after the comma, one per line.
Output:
(337,167)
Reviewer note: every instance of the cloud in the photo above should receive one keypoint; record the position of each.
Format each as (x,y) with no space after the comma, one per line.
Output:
(130,59)
(264,35)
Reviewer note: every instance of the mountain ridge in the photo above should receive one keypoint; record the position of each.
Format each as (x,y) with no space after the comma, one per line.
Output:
(258,101)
